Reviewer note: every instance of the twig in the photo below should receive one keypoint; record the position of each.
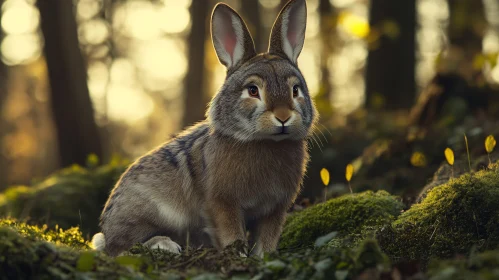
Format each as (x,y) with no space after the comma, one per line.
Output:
(436,227)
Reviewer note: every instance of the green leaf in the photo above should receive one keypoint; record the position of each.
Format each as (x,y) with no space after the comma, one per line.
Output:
(323,240)
(323,265)
(86,262)
(276,265)
(341,274)
(207,276)
(133,262)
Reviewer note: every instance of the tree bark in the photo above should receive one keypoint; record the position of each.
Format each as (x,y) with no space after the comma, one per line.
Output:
(194,84)
(390,72)
(327,36)
(467,25)
(73,114)
(251,14)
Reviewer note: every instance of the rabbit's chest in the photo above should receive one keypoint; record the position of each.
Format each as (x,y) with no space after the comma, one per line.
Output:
(264,186)
(256,176)
(262,202)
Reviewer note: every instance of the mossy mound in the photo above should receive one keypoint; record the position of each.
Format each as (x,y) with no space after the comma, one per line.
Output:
(24,258)
(70,197)
(454,218)
(348,214)
(71,237)
(27,255)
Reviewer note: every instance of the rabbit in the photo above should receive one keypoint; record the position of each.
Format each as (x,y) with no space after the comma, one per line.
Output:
(236,172)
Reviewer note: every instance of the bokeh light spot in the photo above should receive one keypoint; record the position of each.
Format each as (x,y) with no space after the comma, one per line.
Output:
(174,19)
(19,17)
(97,79)
(128,103)
(93,32)
(20,49)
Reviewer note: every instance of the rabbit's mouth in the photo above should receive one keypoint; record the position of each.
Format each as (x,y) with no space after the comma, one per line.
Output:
(282,130)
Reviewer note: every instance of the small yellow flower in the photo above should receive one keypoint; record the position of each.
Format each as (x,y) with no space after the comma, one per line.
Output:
(449,155)
(349,172)
(490,143)
(325,176)
(418,159)
(92,160)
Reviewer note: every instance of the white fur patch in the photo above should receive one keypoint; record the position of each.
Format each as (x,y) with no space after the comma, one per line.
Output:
(164,243)
(300,94)
(243,121)
(98,242)
(173,216)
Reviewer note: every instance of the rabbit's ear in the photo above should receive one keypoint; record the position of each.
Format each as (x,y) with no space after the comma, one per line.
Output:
(288,32)
(231,38)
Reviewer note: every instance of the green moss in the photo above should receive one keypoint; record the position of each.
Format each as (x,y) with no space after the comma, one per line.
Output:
(365,261)
(25,254)
(70,197)
(478,266)
(453,218)
(24,258)
(348,214)
(71,237)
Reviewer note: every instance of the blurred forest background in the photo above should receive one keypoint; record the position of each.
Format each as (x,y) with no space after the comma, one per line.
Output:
(119,77)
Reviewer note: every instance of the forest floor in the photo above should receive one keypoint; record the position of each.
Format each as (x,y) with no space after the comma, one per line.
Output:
(411,215)
(451,234)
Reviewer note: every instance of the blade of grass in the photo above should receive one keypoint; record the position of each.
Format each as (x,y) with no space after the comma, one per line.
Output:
(467,151)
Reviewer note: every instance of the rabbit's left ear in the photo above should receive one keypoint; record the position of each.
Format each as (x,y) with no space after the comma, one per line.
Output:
(288,32)
(231,38)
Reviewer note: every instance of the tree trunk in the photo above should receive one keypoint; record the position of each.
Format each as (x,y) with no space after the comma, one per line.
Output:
(390,81)
(73,114)
(194,87)
(327,36)
(467,25)
(251,14)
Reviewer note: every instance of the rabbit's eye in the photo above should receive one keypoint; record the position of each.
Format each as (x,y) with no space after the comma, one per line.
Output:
(253,91)
(295,90)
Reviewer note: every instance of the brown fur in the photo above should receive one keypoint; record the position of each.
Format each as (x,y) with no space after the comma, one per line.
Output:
(237,171)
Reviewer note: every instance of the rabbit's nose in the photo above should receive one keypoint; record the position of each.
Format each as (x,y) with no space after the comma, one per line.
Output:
(282,114)
(283,121)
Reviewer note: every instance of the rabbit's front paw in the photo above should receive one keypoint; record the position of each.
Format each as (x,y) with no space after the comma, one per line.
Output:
(163,243)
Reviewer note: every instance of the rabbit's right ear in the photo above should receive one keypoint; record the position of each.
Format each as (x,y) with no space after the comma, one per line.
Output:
(231,38)
(288,32)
